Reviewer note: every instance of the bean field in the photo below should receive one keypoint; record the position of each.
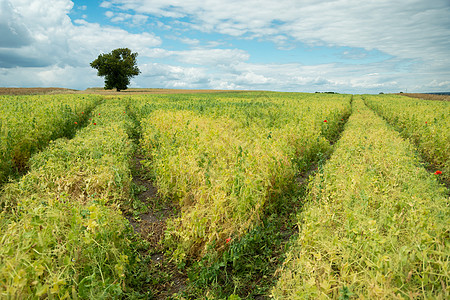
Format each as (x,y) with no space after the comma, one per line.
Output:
(231,195)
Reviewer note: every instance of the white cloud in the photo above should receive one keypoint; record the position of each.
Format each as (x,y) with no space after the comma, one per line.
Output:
(211,57)
(251,78)
(136,19)
(139,19)
(414,33)
(105,4)
(40,46)
(189,41)
(51,76)
(169,76)
(439,83)
(413,29)
(52,38)
(89,39)
(109,14)
(282,77)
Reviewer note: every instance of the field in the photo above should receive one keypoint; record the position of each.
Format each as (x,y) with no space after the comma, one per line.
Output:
(100,91)
(223,195)
(428,96)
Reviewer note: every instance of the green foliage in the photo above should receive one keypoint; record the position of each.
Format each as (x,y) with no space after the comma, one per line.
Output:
(424,122)
(64,234)
(61,247)
(29,123)
(225,164)
(375,225)
(247,266)
(117,67)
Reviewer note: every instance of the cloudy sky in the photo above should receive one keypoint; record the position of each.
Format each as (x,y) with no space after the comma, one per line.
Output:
(348,46)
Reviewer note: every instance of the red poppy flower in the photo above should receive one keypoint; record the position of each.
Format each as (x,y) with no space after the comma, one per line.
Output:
(99,114)
(325,121)
(76,123)
(82,112)
(95,123)
(228,240)
(438,172)
(426,122)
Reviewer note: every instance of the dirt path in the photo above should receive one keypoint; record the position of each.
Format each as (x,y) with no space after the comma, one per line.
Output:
(150,225)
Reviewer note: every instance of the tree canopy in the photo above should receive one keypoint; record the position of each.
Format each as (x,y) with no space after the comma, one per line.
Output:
(117,67)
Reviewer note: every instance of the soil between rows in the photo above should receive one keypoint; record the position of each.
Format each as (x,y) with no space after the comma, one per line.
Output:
(150,226)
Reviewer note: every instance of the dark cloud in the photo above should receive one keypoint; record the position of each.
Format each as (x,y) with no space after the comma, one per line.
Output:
(9,59)
(13,34)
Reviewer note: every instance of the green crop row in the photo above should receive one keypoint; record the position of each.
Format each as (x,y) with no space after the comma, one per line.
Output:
(425,122)
(62,232)
(375,225)
(226,160)
(264,109)
(28,123)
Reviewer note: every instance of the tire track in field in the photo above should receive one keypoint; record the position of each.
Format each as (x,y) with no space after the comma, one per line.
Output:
(263,250)
(335,224)
(20,159)
(148,218)
(427,162)
(150,225)
(20,162)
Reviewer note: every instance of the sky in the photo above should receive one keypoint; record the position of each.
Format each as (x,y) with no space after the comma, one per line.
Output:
(345,46)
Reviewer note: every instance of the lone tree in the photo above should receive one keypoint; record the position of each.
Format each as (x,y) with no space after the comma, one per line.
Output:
(117,67)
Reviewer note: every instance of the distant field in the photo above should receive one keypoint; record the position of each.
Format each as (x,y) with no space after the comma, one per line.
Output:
(101,91)
(222,194)
(427,96)
(33,91)
(133,91)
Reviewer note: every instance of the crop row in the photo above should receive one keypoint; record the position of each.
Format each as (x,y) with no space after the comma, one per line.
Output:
(424,122)
(375,225)
(226,160)
(62,232)
(28,123)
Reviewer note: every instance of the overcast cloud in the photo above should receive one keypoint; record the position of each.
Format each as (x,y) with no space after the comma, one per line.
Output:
(285,45)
